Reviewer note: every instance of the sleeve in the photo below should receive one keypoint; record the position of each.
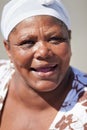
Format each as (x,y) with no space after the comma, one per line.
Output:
(6,72)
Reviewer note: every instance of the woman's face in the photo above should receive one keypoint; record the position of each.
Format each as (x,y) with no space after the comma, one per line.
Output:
(40,50)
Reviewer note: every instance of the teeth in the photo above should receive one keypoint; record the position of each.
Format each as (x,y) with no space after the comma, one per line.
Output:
(45,69)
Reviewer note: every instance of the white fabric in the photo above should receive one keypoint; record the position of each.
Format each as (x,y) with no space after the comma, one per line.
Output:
(17,10)
(6,71)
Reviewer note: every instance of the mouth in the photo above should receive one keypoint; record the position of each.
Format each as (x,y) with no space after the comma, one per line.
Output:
(45,69)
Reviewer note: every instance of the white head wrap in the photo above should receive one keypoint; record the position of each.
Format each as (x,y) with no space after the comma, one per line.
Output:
(16,11)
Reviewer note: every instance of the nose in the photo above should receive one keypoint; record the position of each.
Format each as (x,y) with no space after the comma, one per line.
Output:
(43,51)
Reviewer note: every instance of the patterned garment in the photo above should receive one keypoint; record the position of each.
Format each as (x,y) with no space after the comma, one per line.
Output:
(73,113)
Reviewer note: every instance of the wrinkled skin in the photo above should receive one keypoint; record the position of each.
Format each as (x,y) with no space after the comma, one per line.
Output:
(40,50)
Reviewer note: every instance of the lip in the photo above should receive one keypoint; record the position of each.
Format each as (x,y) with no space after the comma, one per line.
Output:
(45,71)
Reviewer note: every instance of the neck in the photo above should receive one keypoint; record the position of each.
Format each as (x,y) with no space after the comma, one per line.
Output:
(40,100)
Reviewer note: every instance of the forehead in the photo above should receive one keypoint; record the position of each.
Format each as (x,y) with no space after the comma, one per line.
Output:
(35,23)
(41,19)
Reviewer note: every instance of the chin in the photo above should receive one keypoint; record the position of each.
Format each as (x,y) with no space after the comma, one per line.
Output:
(46,87)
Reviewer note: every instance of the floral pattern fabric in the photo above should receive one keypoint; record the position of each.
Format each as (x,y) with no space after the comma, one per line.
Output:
(73,113)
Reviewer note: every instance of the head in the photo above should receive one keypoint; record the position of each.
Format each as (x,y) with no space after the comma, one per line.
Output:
(39,47)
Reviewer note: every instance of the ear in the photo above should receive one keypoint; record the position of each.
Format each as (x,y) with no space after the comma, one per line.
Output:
(7,47)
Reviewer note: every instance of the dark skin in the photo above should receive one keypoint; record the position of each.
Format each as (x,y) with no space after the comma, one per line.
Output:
(41,53)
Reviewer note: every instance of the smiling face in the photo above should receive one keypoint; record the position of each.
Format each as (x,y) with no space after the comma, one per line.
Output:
(40,50)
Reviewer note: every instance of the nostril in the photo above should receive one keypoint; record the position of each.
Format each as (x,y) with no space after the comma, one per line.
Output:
(42,53)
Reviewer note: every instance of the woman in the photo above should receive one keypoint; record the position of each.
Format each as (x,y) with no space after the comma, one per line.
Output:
(40,90)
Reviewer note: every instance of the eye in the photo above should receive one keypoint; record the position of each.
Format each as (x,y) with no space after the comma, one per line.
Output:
(27,43)
(57,40)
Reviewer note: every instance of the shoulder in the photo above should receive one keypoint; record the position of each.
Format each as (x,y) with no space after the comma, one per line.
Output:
(3,80)
(78,92)
(80,77)
(4,67)
(3,62)
(80,86)
(6,71)
(75,104)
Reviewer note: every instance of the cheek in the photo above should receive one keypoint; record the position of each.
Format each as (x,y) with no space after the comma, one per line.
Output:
(65,56)
(63,52)
(21,57)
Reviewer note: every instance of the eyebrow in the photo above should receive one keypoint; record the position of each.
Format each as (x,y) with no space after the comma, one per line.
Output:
(26,37)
